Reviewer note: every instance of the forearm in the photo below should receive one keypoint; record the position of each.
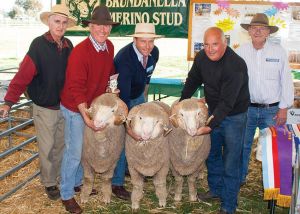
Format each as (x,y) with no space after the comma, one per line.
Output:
(193,81)
(82,107)
(146,92)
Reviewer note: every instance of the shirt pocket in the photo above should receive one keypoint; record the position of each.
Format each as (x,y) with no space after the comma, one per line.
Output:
(272,70)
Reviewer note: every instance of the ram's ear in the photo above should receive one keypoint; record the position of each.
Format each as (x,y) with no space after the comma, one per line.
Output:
(173,120)
(122,108)
(119,119)
(203,108)
(122,113)
(128,122)
(209,119)
(174,112)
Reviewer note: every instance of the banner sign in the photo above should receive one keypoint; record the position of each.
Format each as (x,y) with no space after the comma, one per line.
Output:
(169,16)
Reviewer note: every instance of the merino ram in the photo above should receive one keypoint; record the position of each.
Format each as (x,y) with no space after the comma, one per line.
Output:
(150,156)
(102,149)
(187,150)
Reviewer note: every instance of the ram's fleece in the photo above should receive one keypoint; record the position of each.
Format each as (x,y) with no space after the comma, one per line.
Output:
(150,156)
(102,149)
(188,151)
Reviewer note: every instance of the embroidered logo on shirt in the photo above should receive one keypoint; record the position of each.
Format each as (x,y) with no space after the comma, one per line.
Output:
(272,60)
(149,69)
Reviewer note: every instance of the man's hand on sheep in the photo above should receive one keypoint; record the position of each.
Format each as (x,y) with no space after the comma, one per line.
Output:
(90,123)
(115,91)
(281,116)
(203,130)
(202,100)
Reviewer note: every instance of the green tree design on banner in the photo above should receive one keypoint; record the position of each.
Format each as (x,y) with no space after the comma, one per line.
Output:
(81,9)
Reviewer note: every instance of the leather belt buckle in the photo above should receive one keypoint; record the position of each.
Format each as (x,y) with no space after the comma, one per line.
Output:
(259,105)
(264,105)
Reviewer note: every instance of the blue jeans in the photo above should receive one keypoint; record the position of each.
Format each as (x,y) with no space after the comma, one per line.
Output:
(119,173)
(71,169)
(256,117)
(223,163)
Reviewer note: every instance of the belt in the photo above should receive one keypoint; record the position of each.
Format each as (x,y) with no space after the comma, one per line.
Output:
(258,105)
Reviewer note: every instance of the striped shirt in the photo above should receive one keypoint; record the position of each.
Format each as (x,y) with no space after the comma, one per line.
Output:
(270,79)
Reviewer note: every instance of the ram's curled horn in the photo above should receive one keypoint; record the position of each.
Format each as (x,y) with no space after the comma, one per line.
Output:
(89,111)
(209,119)
(131,114)
(167,130)
(174,112)
(122,113)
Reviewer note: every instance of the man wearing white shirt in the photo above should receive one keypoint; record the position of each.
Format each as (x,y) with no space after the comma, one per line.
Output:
(270,82)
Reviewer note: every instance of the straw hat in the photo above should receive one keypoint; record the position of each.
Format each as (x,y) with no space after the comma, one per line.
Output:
(100,16)
(145,30)
(260,19)
(60,10)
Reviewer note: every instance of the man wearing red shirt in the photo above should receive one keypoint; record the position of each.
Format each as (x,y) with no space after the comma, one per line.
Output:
(42,75)
(89,67)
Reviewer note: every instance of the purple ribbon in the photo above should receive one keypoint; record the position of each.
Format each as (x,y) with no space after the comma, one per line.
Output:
(285,160)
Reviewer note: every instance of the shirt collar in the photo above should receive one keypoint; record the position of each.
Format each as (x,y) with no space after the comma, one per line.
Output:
(99,47)
(139,55)
(63,44)
(267,43)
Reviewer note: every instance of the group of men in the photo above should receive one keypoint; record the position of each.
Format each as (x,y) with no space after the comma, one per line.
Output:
(62,81)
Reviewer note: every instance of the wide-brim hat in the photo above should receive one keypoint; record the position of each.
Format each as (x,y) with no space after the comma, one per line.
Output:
(100,16)
(60,10)
(260,19)
(145,30)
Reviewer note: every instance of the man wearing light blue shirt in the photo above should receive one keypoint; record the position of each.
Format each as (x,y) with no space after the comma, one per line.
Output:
(270,82)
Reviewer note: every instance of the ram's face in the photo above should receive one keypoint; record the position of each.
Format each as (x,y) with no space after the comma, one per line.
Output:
(191,117)
(147,126)
(104,115)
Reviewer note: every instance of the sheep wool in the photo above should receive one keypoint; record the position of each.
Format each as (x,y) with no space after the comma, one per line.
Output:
(188,151)
(102,149)
(150,156)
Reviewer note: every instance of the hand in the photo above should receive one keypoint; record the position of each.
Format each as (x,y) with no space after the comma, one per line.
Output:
(133,135)
(116,91)
(203,130)
(202,100)
(281,116)
(4,109)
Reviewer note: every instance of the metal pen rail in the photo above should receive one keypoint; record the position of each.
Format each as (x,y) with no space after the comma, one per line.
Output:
(14,125)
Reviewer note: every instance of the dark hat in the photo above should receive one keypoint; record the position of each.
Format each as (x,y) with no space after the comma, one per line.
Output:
(260,19)
(100,16)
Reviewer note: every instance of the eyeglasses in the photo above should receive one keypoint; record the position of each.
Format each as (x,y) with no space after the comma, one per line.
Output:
(258,28)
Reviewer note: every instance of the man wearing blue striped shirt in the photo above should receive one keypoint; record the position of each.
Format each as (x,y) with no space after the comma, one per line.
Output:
(270,82)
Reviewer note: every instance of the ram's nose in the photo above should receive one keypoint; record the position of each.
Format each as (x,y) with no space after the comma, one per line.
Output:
(146,136)
(99,124)
(192,132)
